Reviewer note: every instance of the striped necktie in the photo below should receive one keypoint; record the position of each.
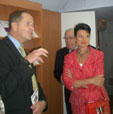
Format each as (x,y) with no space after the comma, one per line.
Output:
(34,81)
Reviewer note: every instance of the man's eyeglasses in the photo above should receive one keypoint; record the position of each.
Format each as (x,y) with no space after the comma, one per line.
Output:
(71,37)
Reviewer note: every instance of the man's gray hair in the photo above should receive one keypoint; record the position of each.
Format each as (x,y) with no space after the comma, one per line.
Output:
(68,30)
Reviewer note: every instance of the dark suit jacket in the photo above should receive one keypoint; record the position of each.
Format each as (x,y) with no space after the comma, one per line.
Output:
(58,69)
(59,62)
(15,80)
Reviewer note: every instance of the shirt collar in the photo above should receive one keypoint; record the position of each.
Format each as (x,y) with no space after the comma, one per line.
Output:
(14,41)
(73,49)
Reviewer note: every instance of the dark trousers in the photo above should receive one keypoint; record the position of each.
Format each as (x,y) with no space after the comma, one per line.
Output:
(68,105)
(111,103)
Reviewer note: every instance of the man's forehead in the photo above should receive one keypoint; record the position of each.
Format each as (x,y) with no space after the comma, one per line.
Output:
(69,32)
(27,17)
(25,14)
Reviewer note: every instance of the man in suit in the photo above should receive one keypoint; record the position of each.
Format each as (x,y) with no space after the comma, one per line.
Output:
(17,70)
(70,41)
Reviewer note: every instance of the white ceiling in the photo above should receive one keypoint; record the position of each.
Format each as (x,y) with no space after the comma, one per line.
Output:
(103,8)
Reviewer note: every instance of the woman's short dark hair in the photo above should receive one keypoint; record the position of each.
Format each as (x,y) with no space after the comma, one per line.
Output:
(81,26)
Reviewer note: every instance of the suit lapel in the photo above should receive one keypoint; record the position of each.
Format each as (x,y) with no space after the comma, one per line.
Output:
(66,50)
(12,47)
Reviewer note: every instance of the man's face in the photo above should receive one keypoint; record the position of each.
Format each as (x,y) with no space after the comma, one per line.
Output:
(70,40)
(25,28)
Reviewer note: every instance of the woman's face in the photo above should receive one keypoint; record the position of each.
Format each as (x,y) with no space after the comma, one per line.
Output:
(83,38)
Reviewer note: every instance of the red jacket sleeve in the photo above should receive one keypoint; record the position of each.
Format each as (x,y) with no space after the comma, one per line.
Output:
(99,64)
(67,80)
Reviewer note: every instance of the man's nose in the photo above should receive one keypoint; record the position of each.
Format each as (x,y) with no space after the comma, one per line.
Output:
(32,28)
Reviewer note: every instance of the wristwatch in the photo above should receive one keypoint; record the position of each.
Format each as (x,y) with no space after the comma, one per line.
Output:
(25,61)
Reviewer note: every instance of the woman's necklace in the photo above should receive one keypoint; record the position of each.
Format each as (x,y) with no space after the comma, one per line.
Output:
(81,54)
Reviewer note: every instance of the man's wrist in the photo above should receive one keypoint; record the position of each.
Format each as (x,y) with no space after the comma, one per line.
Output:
(44,105)
(25,61)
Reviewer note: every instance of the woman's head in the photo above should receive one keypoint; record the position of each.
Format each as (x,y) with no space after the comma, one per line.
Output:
(82,34)
(81,26)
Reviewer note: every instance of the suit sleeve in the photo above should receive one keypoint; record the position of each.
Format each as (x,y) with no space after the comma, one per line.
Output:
(58,68)
(12,75)
(42,96)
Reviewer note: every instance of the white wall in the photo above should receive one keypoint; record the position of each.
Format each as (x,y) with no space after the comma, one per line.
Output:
(69,20)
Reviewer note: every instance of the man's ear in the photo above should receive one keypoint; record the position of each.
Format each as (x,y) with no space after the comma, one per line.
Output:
(14,26)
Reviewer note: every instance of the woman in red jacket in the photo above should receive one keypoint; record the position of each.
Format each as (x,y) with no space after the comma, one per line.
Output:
(83,72)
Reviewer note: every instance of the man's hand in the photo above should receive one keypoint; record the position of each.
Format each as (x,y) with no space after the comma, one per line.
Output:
(62,82)
(36,55)
(38,107)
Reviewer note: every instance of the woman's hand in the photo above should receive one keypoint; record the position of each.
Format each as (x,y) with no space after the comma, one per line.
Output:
(78,83)
(97,80)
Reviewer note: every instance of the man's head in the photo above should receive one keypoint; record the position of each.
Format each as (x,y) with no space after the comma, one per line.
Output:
(21,26)
(70,39)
